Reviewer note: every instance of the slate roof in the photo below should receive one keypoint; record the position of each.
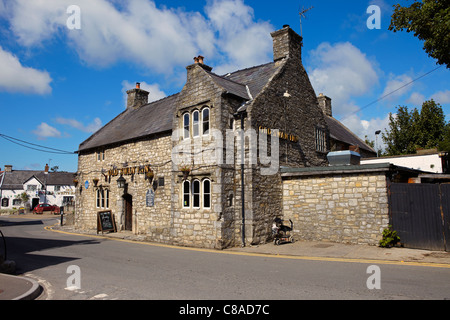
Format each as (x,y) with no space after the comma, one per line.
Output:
(152,118)
(15,179)
(156,117)
(341,133)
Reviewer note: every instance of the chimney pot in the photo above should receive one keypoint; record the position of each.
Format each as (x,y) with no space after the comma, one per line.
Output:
(137,97)
(200,59)
(195,59)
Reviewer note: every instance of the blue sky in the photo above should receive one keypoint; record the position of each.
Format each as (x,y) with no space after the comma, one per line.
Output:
(58,85)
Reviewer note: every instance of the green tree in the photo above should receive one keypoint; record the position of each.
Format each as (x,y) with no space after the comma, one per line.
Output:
(430,125)
(444,145)
(409,130)
(429,20)
(400,136)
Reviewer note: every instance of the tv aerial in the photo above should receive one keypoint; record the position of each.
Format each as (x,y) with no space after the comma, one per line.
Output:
(301,13)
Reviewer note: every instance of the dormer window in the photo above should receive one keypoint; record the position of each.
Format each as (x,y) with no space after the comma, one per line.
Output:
(196,123)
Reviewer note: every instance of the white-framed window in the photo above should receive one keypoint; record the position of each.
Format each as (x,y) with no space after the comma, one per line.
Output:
(100,155)
(205,121)
(186,194)
(195,123)
(197,194)
(102,198)
(186,122)
(206,193)
(31,187)
(321,140)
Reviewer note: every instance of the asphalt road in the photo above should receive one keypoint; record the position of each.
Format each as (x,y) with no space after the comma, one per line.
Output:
(110,269)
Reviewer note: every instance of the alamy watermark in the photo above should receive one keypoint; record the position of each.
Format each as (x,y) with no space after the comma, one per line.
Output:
(213,149)
(374,280)
(374,21)
(73,22)
(74,280)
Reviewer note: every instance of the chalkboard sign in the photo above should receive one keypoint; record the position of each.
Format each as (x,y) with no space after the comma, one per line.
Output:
(105,221)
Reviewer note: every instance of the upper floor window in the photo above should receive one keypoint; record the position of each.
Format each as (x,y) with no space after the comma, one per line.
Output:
(196,123)
(205,121)
(321,140)
(100,155)
(186,125)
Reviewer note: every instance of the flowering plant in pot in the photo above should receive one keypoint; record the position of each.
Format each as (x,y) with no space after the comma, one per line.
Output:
(185,170)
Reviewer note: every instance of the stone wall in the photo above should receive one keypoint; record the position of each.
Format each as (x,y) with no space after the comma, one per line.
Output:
(345,208)
(154,152)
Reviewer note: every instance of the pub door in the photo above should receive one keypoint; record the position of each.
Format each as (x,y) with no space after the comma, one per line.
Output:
(128,212)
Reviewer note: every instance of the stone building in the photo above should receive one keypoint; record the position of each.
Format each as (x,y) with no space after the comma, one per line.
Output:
(188,178)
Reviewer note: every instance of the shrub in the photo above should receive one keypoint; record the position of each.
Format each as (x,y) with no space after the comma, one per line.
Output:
(390,238)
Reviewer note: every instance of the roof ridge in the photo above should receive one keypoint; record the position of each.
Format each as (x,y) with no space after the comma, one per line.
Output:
(264,64)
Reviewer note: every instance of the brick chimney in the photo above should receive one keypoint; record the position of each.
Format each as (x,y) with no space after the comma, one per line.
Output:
(286,44)
(8,168)
(325,104)
(137,97)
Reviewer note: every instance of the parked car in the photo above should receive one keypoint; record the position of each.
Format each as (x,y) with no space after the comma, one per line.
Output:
(40,208)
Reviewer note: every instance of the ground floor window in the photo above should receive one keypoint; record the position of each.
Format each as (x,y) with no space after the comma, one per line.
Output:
(102,198)
(197,194)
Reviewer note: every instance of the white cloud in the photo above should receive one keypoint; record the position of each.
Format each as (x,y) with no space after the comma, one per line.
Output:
(416,99)
(156,38)
(14,77)
(441,97)
(90,128)
(244,42)
(44,131)
(393,85)
(341,71)
(362,127)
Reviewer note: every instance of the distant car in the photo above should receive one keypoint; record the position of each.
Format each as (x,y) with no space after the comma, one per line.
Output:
(40,208)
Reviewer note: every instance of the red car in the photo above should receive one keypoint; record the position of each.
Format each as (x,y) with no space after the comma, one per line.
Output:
(40,208)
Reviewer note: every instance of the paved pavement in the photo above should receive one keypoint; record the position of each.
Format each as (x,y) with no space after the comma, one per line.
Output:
(18,287)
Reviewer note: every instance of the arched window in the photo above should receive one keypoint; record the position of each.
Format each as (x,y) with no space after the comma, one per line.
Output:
(186,194)
(205,121)
(196,194)
(195,123)
(186,125)
(206,193)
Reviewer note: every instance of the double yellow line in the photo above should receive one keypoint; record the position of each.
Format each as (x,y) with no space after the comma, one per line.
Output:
(265,255)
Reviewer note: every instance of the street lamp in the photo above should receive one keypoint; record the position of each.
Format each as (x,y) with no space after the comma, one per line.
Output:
(376,140)
(121,182)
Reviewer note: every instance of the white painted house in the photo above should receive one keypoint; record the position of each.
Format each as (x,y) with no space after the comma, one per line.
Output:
(427,161)
(56,188)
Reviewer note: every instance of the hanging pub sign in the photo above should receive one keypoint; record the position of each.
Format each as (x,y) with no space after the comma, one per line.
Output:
(129,170)
(150,198)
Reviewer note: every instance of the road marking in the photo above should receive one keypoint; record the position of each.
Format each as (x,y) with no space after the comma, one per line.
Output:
(265,255)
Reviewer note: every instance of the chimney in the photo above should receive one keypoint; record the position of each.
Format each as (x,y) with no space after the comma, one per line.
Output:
(325,104)
(8,168)
(46,169)
(286,44)
(137,97)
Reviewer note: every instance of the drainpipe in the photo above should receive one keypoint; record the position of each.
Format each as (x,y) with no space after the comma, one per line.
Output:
(242,113)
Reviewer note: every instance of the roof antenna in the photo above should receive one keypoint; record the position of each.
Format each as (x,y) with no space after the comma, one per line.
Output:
(302,15)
